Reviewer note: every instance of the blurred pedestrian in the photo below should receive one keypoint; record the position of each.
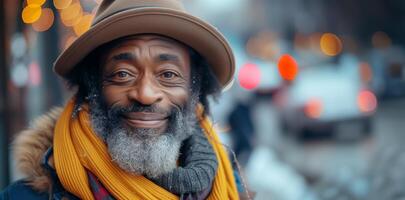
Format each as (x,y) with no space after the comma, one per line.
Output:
(243,133)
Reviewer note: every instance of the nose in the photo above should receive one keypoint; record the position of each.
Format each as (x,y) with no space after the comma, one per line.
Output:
(145,92)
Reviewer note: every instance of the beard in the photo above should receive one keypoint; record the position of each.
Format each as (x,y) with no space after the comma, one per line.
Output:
(143,151)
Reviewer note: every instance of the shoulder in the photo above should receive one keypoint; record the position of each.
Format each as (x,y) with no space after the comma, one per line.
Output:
(21,190)
(30,146)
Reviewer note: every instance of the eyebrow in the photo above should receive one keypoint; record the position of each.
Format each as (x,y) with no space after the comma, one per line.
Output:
(126,56)
(167,57)
(123,56)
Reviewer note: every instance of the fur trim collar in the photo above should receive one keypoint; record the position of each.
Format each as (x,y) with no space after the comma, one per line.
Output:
(30,146)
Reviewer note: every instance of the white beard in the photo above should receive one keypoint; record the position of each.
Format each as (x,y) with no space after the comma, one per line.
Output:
(151,156)
(143,151)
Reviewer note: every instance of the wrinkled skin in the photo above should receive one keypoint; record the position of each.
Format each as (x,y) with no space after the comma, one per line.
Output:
(148,70)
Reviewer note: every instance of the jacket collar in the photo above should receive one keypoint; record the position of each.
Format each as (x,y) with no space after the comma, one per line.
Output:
(32,147)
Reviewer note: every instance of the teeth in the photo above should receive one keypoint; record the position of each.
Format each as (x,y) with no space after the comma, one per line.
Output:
(146,123)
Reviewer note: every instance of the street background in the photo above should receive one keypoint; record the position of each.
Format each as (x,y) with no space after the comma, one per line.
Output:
(316,109)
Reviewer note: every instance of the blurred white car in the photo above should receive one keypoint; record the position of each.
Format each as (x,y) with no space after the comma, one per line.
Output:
(326,99)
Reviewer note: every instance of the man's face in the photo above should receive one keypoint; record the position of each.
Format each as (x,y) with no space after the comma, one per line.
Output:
(146,70)
(146,105)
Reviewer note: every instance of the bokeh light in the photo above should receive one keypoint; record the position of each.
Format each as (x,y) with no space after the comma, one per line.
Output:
(72,22)
(19,75)
(263,45)
(287,67)
(330,44)
(381,40)
(45,21)
(366,101)
(83,25)
(61,4)
(35,77)
(71,12)
(36,2)
(249,76)
(18,45)
(31,13)
(313,108)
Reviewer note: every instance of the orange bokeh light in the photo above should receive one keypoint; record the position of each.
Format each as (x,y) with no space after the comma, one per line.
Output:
(61,4)
(381,40)
(36,2)
(73,21)
(71,12)
(287,67)
(330,44)
(313,108)
(45,21)
(366,101)
(31,13)
(83,25)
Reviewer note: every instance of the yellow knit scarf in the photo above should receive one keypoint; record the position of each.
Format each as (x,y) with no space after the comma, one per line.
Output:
(77,149)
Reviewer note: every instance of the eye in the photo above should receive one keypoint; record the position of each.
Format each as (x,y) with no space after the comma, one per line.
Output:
(168,75)
(122,74)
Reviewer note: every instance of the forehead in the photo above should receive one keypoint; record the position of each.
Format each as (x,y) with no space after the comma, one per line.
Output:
(148,41)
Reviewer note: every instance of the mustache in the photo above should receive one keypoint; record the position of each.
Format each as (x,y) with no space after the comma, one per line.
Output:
(118,110)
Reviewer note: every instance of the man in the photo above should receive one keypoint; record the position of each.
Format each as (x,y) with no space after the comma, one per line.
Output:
(137,127)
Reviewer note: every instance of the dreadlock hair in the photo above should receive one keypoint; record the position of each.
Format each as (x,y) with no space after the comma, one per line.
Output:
(86,77)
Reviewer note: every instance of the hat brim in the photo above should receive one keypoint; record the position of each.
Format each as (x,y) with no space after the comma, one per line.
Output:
(190,30)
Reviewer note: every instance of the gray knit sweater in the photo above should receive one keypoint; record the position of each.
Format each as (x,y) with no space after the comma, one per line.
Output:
(198,165)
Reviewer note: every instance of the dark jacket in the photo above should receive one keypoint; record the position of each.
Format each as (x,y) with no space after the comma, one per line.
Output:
(23,189)
(32,150)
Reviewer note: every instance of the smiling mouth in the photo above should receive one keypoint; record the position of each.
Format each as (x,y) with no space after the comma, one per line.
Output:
(145,120)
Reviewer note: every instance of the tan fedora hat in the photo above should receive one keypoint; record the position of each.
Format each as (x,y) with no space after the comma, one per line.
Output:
(120,18)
